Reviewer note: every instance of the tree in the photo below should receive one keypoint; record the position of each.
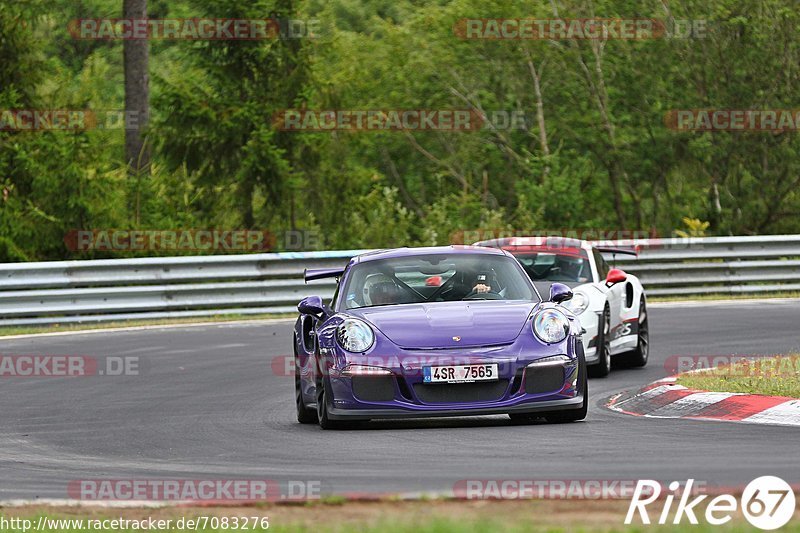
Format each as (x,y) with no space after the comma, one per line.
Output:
(219,126)
(136,54)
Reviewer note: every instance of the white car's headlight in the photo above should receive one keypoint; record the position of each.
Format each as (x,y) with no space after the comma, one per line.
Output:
(355,335)
(578,303)
(551,326)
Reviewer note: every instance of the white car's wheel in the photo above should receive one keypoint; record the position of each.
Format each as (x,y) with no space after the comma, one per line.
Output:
(638,357)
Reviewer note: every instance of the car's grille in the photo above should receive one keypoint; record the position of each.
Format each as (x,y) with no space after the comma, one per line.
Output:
(544,379)
(486,391)
(373,388)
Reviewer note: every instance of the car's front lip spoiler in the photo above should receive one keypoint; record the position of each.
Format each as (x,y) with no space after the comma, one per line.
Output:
(336,413)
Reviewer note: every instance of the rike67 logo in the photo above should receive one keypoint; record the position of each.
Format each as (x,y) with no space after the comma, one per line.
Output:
(767,502)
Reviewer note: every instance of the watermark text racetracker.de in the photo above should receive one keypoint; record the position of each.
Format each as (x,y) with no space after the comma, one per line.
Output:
(352,120)
(195,29)
(195,490)
(560,29)
(560,237)
(544,489)
(56,365)
(638,240)
(74,120)
(736,366)
(733,120)
(377,365)
(767,502)
(190,240)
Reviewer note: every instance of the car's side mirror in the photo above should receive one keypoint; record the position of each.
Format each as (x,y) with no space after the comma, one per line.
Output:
(615,276)
(312,305)
(560,293)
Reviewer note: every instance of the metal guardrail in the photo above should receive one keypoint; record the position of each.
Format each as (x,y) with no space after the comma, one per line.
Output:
(717,265)
(124,289)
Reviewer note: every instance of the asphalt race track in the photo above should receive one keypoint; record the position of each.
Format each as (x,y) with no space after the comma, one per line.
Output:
(209,405)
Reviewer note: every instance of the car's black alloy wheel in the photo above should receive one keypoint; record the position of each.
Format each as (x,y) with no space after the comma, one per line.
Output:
(305,414)
(323,397)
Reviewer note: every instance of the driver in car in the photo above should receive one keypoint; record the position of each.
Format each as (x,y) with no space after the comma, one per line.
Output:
(486,281)
(482,284)
(570,268)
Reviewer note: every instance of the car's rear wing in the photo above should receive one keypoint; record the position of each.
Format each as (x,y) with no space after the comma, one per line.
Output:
(614,250)
(322,273)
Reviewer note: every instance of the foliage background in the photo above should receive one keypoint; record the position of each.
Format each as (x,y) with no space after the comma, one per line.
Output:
(608,161)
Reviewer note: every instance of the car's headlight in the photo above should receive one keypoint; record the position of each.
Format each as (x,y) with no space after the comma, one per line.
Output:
(551,326)
(553,360)
(365,370)
(578,303)
(355,335)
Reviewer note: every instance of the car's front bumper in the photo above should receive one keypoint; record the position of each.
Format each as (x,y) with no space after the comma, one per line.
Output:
(522,408)
(527,383)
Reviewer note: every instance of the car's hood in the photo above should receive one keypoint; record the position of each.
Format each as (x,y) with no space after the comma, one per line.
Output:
(449,324)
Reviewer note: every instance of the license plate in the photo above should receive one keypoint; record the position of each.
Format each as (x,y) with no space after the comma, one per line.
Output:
(460,373)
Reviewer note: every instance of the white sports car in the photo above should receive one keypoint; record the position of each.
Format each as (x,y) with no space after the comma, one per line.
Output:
(610,304)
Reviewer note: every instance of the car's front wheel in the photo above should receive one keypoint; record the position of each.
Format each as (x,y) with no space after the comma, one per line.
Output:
(322,406)
(573,415)
(570,415)
(323,396)
(305,414)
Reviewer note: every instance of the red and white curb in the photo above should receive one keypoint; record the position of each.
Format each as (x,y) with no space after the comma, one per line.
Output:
(666,399)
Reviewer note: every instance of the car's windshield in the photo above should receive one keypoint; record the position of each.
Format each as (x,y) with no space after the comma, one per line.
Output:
(570,266)
(435,278)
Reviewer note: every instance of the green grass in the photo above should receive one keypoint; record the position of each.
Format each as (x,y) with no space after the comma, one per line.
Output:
(423,524)
(448,525)
(773,376)
(333,499)
(436,515)
(56,328)
(723,296)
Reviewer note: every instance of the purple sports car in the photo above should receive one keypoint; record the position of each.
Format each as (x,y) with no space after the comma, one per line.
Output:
(446,331)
